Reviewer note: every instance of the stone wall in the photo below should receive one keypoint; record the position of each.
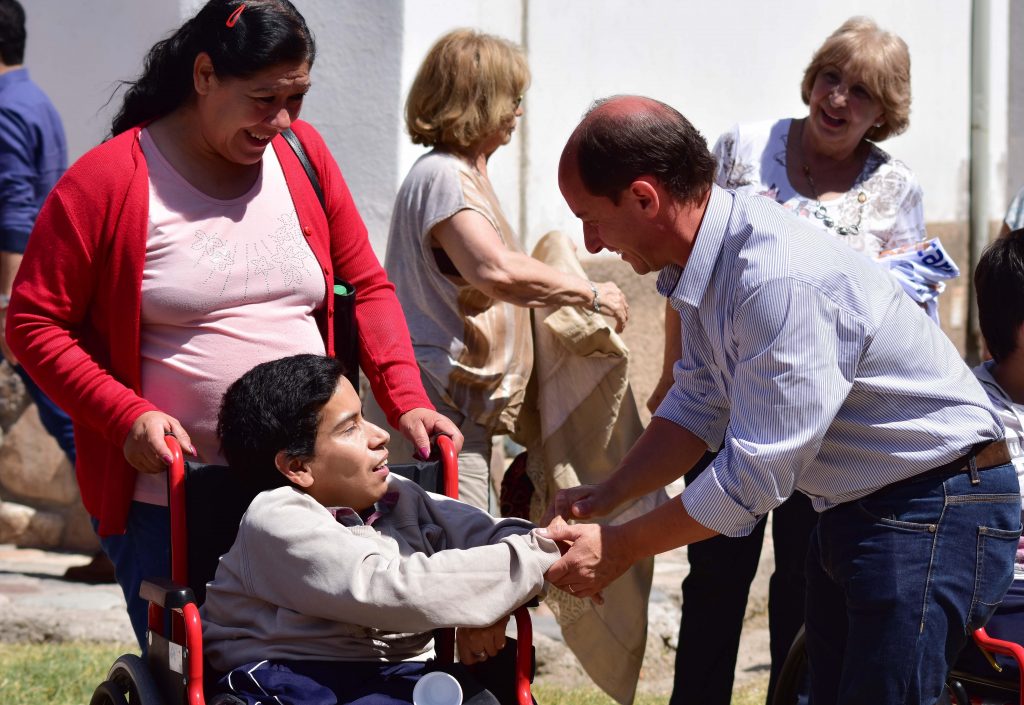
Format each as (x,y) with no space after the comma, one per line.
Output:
(39,501)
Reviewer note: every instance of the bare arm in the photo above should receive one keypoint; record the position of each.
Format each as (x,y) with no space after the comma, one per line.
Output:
(600,554)
(664,452)
(473,246)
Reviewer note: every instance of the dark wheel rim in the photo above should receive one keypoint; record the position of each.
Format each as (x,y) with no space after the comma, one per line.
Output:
(108,693)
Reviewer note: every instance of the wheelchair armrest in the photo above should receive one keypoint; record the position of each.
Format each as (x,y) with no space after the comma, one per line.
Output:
(166,593)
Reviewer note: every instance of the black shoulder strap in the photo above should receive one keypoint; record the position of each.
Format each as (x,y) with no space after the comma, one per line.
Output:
(293,141)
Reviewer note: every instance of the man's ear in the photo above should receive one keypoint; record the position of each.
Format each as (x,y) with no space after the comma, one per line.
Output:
(296,471)
(643,194)
(203,75)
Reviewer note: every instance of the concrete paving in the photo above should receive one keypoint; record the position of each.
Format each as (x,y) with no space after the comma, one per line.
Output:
(37,604)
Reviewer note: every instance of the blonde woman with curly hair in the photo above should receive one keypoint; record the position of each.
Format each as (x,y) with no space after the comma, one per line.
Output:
(462,278)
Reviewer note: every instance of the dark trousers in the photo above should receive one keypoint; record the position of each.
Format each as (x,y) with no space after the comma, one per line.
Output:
(367,683)
(715,595)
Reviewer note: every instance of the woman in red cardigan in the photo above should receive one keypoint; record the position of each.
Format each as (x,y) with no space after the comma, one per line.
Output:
(182,252)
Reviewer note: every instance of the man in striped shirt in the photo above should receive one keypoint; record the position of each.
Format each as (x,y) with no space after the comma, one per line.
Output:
(808,370)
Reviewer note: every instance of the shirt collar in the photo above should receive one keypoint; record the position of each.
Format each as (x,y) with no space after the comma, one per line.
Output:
(984,374)
(12,77)
(687,284)
(346,516)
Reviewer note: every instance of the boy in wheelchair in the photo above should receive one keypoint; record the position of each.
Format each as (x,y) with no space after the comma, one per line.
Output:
(339,574)
(999,283)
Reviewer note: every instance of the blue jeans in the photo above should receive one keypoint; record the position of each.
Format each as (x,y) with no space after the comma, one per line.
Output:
(142,552)
(897,580)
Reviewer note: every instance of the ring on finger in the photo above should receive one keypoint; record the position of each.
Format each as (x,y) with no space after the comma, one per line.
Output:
(480,654)
(571,590)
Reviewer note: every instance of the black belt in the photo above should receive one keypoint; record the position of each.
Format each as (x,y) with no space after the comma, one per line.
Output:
(990,454)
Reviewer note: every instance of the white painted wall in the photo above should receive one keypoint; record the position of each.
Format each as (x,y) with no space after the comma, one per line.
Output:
(78,51)
(719,63)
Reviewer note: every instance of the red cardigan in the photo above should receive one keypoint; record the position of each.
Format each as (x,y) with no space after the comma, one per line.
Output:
(74,314)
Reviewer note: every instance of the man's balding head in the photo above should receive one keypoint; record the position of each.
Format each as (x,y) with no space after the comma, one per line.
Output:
(624,137)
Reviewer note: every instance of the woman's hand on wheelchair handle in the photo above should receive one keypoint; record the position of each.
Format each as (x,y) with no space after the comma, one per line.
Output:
(420,425)
(145,449)
(476,644)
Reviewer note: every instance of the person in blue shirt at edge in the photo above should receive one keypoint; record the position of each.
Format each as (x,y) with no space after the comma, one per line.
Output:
(33,155)
(809,370)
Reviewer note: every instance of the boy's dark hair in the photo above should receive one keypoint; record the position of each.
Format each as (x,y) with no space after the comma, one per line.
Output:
(275,406)
(12,32)
(263,34)
(999,283)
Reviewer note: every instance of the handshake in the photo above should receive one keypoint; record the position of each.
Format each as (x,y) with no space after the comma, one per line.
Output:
(592,554)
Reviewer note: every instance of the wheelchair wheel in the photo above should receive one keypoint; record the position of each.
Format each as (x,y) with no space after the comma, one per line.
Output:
(128,683)
(108,693)
(791,687)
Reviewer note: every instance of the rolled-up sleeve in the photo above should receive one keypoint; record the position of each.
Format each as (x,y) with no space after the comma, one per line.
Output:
(795,360)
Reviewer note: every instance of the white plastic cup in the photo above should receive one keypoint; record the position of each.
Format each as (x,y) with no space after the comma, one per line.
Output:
(437,688)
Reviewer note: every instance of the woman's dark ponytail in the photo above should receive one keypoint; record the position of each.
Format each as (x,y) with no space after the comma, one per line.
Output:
(264,33)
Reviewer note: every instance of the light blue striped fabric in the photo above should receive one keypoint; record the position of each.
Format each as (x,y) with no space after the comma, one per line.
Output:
(810,368)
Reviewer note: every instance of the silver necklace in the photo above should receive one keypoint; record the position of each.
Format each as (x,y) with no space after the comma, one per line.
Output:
(821,212)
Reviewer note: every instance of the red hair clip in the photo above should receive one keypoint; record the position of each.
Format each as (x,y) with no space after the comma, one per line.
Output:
(233,18)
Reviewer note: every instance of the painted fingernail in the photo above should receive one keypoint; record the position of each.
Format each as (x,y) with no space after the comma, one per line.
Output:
(192,449)
(167,459)
(424,452)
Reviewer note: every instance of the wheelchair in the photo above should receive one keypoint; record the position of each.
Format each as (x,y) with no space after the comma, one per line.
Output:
(206,504)
(962,688)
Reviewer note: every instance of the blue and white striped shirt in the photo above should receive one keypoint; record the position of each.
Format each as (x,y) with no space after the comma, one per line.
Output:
(808,366)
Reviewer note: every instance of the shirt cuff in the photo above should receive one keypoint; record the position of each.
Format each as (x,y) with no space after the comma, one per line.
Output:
(701,421)
(707,502)
(13,240)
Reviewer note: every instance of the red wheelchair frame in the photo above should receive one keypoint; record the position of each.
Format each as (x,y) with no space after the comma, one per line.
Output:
(988,645)
(175,660)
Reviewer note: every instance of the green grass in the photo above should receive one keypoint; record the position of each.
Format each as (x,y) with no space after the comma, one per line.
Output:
(752,694)
(67,673)
(553,695)
(54,673)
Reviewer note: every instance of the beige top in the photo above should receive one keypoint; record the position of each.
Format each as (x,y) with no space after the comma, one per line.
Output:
(475,350)
(300,584)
